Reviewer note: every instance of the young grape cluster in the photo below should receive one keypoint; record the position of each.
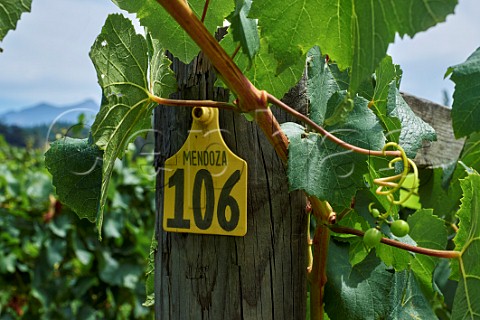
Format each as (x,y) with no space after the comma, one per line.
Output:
(373,236)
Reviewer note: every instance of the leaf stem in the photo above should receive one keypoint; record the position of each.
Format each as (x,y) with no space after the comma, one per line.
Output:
(234,54)
(326,134)
(205,9)
(449,254)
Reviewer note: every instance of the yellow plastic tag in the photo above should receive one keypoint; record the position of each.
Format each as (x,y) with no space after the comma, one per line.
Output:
(205,186)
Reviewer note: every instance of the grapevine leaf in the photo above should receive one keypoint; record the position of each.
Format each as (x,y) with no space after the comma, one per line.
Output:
(338,109)
(289,27)
(121,60)
(166,30)
(358,251)
(330,79)
(354,33)
(374,24)
(323,80)
(428,231)
(354,221)
(76,167)
(466,98)
(435,189)
(369,291)
(161,79)
(414,130)
(261,71)
(470,155)
(323,168)
(315,164)
(469,227)
(393,257)
(10,13)
(385,73)
(244,29)
(466,304)
(444,202)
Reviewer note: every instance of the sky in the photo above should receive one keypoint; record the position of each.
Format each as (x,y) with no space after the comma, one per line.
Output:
(46,58)
(425,58)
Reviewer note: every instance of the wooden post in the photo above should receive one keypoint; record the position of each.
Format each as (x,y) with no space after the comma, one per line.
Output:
(259,276)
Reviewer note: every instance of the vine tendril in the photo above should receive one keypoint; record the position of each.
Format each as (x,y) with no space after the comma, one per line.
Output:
(387,186)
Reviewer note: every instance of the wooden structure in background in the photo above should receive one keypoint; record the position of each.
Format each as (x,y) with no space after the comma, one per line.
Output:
(446,149)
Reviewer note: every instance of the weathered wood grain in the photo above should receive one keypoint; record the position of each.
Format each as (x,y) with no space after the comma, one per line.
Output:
(259,276)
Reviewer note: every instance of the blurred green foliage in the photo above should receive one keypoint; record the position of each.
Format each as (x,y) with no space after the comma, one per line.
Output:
(52,264)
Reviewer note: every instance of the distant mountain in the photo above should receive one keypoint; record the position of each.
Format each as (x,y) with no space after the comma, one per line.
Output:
(47,114)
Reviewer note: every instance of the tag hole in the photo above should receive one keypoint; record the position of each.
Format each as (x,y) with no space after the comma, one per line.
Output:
(197,113)
(202,114)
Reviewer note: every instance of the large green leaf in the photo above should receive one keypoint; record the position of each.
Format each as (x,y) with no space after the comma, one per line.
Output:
(290,27)
(260,69)
(374,24)
(166,30)
(10,12)
(428,231)
(440,187)
(354,221)
(323,168)
(467,298)
(76,167)
(414,130)
(443,201)
(466,98)
(385,73)
(469,225)
(370,291)
(330,79)
(358,251)
(323,80)
(317,165)
(121,59)
(354,33)
(161,79)
(470,155)
(393,257)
